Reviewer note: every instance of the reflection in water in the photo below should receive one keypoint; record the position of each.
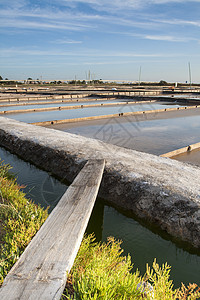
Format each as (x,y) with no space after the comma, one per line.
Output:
(143,244)
(86,112)
(96,221)
(33,106)
(151,136)
(40,186)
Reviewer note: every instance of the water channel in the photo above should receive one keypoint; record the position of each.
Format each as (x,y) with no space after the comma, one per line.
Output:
(143,243)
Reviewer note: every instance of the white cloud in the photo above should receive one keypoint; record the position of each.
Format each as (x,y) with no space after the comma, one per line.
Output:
(63,41)
(167,38)
(170,1)
(13,52)
(26,24)
(72,19)
(122,4)
(178,22)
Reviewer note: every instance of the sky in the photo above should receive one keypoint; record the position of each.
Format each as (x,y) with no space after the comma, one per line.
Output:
(150,40)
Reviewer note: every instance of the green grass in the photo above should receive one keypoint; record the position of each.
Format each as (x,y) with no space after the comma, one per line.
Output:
(20,219)
(100,271)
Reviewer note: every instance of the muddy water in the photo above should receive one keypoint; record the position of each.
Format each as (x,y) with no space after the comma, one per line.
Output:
(143,243)
(192,157)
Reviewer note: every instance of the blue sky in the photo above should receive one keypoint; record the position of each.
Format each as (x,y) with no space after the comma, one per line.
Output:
(64,39)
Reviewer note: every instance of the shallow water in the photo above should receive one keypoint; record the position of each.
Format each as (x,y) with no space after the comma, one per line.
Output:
(192,157)
(151,136)
(40,186)
(2,101)
(33,106)
(86,112)
(145,245)
(142,243)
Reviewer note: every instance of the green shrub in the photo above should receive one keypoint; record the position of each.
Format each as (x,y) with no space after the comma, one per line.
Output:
(101,272)
(20,219)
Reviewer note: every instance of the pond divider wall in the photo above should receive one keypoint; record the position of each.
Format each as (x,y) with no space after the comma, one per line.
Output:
(44,98)
(99,94)
(159,190)
(56,101)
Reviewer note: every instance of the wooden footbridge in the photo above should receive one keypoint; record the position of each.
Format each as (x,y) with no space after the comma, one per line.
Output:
(41,271)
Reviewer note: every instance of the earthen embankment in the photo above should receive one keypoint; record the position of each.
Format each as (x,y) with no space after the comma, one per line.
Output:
(160,190)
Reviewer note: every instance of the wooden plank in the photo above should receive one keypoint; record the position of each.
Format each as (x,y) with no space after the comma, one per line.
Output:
(54,101)
(65,107)
(41,271)
(176,152)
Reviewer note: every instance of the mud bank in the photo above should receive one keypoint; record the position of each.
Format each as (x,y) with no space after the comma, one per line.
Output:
(160,190)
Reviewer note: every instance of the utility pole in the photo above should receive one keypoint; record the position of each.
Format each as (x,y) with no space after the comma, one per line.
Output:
(190,77)
(140,74)
(93,77)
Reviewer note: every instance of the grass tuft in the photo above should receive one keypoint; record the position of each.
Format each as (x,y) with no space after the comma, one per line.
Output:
(101,272)
(20,219)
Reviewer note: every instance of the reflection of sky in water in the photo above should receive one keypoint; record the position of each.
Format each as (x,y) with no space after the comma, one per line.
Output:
(156,136)
(85,112)
(33,106)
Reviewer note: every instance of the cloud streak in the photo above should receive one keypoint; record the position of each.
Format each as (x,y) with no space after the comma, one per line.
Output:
(44,18)
(93,32)
(116,5)
(166,38)
(9,52)
(63,41)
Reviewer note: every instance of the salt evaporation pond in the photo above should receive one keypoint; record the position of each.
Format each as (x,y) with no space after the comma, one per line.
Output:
(87,112)
(37,99)
(151,136)
(77,103)
(143,243)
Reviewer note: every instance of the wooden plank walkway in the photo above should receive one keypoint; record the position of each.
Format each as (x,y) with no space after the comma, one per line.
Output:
(41,271)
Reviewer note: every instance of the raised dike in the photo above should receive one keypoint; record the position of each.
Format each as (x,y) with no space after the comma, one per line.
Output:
(160,190)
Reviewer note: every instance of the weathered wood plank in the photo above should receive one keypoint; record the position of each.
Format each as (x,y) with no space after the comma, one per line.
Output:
(41,271)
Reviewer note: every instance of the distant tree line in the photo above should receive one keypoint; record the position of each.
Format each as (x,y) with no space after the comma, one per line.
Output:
(80,82)
(6,81)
